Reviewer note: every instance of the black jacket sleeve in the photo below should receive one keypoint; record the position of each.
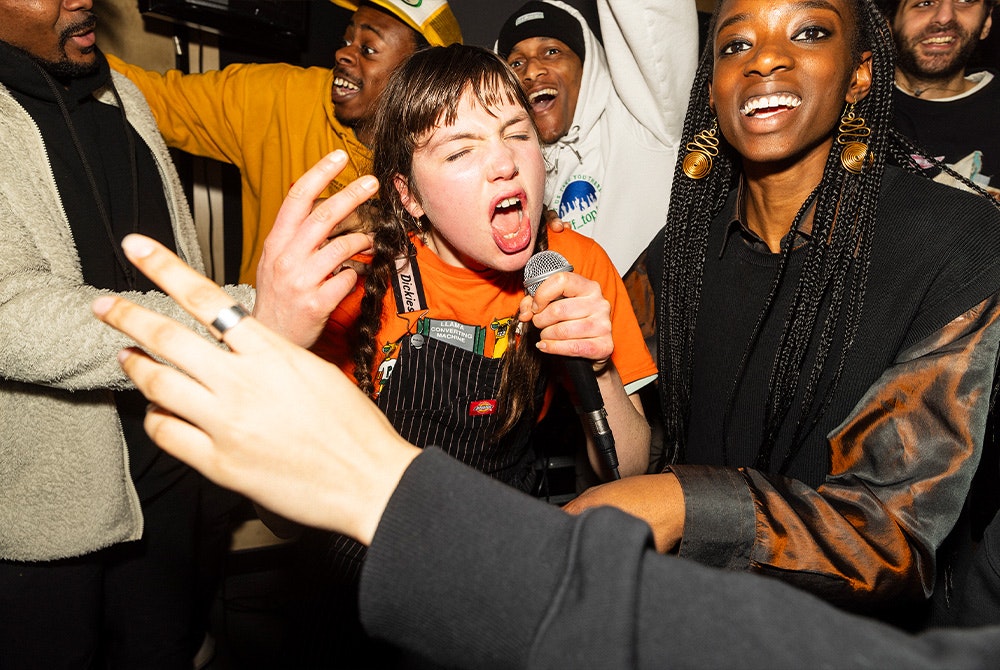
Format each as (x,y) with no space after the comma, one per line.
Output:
(471,573)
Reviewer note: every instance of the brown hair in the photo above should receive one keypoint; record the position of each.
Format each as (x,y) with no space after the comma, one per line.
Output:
(424,91)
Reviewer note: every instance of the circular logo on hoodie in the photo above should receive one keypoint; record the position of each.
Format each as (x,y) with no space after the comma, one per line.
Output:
(578,204)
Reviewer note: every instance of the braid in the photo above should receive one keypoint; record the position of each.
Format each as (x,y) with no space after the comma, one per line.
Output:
(522,365)
(829,295)
(693,205)
(905,153)
(389,242)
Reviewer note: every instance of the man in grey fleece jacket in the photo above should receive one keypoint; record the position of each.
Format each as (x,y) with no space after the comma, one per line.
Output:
(97,528)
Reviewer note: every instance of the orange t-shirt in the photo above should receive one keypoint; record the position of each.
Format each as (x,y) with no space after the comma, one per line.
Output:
(477,311)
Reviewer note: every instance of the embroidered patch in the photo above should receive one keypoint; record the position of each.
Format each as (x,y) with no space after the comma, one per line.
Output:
(501,335)
(470,338)
(482,407)
(578,202)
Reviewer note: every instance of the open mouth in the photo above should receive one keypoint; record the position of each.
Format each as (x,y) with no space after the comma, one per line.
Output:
(343,87)
(542,98)
(938,40)
(766,105)
(511,231)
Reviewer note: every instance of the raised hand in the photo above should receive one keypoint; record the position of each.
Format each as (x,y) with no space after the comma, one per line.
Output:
(302,276)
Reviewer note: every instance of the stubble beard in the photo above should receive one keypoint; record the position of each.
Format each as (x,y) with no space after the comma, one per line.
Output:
(64,68)
(941,67)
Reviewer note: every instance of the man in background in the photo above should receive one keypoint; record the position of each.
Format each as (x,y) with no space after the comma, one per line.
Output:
(944,109)
(608,84)
(274,121)
(99,547)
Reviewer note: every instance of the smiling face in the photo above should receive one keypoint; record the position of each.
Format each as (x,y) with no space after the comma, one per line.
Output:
(783,71)
(374,44)
(58,33)
(936,38)
(550,74)
(479,182)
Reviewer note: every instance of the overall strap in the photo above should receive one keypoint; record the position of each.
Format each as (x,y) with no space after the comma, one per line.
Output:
(409,288)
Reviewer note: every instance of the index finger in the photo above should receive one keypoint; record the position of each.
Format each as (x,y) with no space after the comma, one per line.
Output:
(299,216)
(197,294)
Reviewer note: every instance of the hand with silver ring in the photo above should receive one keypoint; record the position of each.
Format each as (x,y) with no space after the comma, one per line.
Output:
(227,318)
(261,416)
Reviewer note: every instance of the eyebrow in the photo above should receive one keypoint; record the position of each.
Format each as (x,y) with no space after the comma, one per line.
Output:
(802,4)
(514,120)
(367,26)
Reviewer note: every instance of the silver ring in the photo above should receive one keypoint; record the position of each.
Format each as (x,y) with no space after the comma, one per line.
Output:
(227,318)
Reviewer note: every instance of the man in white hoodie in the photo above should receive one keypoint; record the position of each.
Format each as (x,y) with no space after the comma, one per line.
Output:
(608,83)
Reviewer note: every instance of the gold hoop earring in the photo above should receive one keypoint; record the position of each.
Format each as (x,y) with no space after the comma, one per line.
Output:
(855,154)
(701,150)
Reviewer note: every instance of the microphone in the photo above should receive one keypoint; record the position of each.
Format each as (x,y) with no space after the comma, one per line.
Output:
(589,403)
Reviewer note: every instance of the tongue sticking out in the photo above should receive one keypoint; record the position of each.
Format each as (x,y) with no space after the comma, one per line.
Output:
(511,227)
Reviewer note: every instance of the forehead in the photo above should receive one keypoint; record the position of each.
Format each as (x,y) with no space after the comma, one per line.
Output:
(535,44)
(732,12)
(474,119)
(380,23)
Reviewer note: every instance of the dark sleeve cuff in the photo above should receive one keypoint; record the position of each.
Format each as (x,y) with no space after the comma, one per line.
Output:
(719,516)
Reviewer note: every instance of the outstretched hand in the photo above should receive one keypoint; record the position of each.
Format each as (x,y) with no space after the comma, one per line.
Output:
(265,418)
(302,277)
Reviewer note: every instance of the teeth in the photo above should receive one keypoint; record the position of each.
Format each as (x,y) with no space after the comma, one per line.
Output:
(750,107)
(508,202)
(340,82)
(939,40)
(538,94)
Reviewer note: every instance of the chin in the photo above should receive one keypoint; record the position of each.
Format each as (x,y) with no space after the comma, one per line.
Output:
(546,136)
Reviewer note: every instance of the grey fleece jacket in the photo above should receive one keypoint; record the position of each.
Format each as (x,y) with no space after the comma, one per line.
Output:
(65,488)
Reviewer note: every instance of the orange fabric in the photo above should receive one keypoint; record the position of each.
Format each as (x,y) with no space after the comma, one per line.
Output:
(273,121)
(489,300)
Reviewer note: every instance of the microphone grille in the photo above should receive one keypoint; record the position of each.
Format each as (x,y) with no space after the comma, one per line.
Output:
(541,266)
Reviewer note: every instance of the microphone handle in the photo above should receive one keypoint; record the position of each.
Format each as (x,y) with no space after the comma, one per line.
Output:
(590,406)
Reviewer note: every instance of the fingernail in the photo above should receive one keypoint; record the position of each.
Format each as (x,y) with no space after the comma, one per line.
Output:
(137,246)
(368,182)
(338,156)
(101,305)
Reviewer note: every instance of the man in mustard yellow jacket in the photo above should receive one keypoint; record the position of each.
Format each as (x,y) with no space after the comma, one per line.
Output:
(274,121)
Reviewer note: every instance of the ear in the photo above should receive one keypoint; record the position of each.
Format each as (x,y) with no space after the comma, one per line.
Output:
(861,80)
(984,33)
(711,98)
(409,202)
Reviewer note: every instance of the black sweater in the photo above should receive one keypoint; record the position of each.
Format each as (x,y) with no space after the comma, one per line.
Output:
(936,254)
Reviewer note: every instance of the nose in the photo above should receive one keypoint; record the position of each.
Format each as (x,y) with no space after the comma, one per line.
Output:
(945,12)
(533,68)
(75,5)
(501,164)
(347,54)
(766,59)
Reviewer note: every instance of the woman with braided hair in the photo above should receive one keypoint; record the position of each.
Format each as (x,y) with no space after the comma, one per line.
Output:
(828,326)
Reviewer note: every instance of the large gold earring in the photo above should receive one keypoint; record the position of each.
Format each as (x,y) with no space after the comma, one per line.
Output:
(855,153)
(701,150)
